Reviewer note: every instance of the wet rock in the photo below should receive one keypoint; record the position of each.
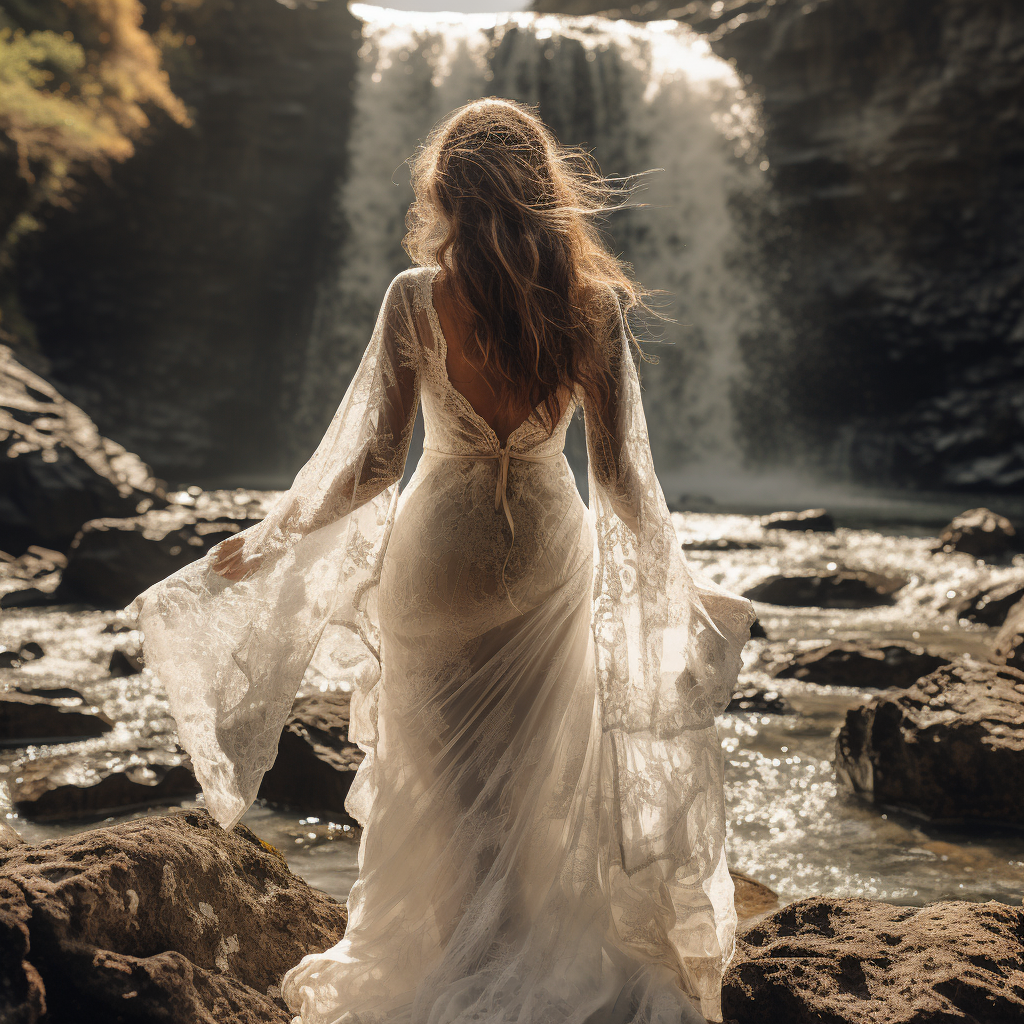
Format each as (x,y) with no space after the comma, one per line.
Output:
(28,720)
(989,606)
(765,702)
(720,544)
(65,787)
(866,665)
(9,838)
(50,692)
(315,762)
(15,657)
(167,919)
(846,588)
(112,561)
(753,899)
(950,748)
(816,519)
(125,663)
(1008,648)
(855,961)
(981,533)
(56,470)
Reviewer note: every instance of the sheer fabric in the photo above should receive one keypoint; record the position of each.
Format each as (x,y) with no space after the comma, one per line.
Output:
(534,687)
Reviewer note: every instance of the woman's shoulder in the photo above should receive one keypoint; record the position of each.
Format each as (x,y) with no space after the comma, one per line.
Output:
(414,279)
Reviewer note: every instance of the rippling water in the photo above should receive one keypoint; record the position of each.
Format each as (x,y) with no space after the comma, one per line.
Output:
(791,826)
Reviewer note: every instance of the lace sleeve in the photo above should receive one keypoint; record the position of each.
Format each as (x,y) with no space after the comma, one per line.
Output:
(667,648)
(231,654)
(366,446)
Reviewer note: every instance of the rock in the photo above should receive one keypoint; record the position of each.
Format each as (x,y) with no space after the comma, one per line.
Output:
(950,748)
(183,330)
(989,605)
(57,471)
(765,702)
(167,919)
(125,663)
(757,631)
(847,588)
(315,763)
(112,561)
(66,787)
(752,898)
(1008,648)
(9,839)
(866,665)
(881,116)
(981,533)
(50,692)
(720,544)
(28,720)
(18,656)
(816,519)
(856,961)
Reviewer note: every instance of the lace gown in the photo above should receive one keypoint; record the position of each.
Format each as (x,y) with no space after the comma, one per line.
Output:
(534,686)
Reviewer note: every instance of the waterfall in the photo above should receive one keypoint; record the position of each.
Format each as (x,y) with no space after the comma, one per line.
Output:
(638,97)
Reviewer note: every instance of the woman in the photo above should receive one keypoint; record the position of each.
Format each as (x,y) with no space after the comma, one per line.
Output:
(534,686)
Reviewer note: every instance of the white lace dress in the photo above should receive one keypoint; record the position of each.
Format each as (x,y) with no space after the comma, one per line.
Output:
(534,687)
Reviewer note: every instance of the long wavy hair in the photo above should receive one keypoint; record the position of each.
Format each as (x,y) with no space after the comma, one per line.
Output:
(510,218)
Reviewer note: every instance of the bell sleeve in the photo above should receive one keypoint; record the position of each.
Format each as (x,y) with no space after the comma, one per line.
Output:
(667,649)
(231,654)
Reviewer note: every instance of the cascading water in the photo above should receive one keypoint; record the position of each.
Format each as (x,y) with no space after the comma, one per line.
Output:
(639,97)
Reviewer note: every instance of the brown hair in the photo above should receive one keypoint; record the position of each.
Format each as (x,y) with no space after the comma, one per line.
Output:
(510,216)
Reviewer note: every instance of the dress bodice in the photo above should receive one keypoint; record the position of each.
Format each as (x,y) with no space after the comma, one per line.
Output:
(451,424)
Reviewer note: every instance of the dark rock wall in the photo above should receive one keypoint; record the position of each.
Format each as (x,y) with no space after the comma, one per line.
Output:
(893,244)
(173,298)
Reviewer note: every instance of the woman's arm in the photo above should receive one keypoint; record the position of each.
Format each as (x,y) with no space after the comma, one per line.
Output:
(363,453)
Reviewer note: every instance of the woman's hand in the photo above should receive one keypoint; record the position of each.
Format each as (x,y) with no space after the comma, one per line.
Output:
(229,560)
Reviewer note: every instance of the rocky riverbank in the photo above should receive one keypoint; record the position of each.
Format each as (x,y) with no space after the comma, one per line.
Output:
(896,657)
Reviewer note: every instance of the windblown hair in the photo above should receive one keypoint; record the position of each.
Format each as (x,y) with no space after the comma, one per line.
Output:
(510,217)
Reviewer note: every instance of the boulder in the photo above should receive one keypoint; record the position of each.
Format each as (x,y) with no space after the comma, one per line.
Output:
(1008,648)
(989,605)
(950,748)
(58,471)
(845,588)
(315,762)
(981,533)
(752,898)
(857,961)
(815,519)
(64,787)
(9,837)
(167,920)
(112,561)
(764,702)
(27,719)
(867,665)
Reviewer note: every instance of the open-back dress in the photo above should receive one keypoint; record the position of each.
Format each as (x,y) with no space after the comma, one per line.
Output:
(534,686)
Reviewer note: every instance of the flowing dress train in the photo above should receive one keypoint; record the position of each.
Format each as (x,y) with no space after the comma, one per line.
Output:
(534,686)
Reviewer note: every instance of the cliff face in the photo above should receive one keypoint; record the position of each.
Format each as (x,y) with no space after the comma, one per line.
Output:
(893,243)
(172,298)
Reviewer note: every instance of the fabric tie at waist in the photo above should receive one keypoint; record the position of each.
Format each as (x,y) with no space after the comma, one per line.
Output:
(503,455)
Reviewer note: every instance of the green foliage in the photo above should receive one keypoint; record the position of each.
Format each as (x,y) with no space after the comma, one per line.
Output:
(75,79)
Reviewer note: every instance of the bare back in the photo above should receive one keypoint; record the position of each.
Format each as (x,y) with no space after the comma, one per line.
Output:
(479,389)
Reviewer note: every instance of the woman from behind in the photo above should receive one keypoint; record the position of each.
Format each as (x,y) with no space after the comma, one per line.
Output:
(534,683)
